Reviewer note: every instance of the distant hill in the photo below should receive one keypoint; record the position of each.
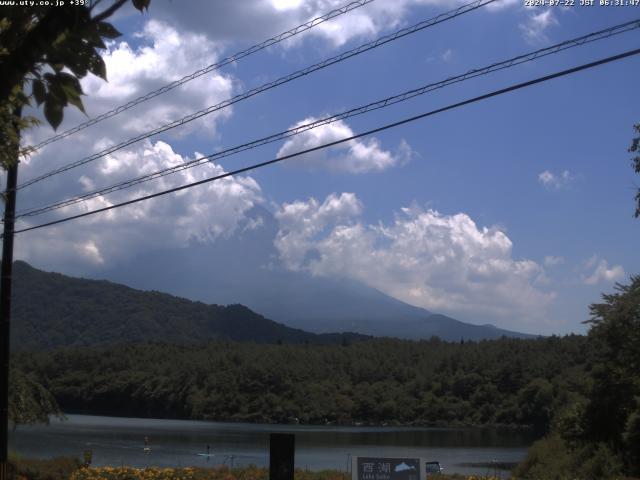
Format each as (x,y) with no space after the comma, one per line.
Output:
(51,310)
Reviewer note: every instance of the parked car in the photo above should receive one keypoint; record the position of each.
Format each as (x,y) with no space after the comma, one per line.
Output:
(432,468)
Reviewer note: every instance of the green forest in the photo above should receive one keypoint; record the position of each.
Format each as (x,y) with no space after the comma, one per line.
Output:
(508,381)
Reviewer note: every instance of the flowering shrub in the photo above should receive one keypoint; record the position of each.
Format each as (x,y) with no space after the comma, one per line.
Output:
(189,473)
(221,473)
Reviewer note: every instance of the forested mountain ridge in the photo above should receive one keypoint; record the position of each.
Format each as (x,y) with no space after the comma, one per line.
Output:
(51,310)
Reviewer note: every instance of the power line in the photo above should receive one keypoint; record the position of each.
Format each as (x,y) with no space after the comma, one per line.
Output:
(494,93)
(267,86)
(187,78)
(585,39)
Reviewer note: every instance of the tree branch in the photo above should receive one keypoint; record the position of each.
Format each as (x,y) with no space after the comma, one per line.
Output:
(32,49)
(109,11)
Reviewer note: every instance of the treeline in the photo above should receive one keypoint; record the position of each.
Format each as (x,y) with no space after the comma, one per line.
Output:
(507,381)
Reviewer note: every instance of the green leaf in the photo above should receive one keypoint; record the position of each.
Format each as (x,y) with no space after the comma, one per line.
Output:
(78,60)
(92,37)
(77,102)
(21,98)
(60,39)
(39,91)
(107,30)
(56,94)
(70,82)
(53,111)
(72,89)
(97,66)
(73,55)
(141,4)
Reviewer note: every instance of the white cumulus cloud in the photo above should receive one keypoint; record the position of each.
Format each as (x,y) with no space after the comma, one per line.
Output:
(300,223)
(202,213)
(447,55)
(555,181)
(535,27)
(599,271)
(160,54)
(163,56)
(355,156)
(256,20)
(552,261)
(440,262)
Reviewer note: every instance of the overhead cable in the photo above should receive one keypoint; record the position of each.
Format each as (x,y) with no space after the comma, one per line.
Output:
(582,40)
(267,86)
(198,73)
(256,166)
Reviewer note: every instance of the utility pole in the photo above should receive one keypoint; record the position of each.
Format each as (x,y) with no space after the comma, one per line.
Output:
(5,305)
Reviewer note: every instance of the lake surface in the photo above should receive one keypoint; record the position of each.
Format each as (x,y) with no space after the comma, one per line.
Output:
(120,441)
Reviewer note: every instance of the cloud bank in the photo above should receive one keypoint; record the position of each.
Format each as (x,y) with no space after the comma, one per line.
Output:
(203,213)
(440,262)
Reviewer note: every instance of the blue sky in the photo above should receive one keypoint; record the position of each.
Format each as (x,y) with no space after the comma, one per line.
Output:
(515,211)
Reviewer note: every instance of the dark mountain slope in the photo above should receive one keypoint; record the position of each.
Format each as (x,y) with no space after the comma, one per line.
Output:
(51,310)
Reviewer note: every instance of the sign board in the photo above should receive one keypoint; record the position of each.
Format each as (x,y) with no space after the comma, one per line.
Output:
(384,468)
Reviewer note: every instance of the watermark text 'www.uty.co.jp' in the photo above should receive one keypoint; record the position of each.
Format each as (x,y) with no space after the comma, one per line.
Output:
(42,3)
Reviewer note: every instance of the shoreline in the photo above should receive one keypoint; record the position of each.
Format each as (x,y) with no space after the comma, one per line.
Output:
(292,423)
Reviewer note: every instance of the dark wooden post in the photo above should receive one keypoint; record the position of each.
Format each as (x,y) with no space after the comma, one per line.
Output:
(281,453)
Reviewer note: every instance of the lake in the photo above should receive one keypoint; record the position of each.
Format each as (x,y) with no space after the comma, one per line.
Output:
(120,441)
